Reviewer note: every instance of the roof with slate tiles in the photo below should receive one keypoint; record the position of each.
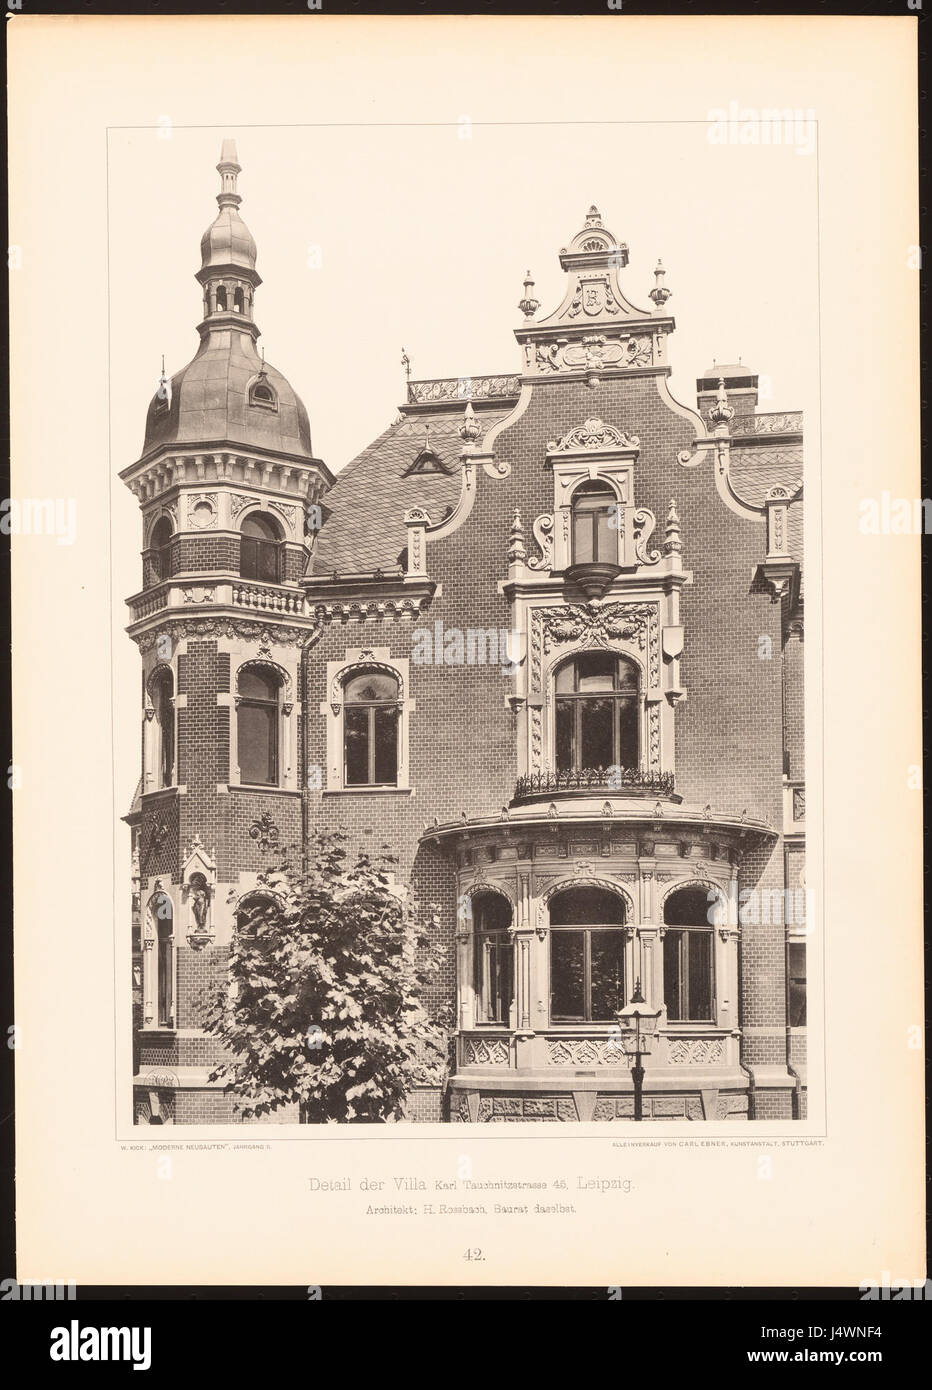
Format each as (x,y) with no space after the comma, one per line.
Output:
(367,503)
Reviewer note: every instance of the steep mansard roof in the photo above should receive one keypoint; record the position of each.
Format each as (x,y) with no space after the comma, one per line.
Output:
(371,494)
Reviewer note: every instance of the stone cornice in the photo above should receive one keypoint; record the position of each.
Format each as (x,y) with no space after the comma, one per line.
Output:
(264,629)
(170,465)
(648,816)
(374,595)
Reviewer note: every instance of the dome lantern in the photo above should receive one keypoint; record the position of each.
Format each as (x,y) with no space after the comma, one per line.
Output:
(228,254)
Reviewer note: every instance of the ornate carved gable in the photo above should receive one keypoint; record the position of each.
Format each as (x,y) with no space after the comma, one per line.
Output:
(595,329)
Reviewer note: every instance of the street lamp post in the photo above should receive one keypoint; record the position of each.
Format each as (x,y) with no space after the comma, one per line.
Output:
(631,1018)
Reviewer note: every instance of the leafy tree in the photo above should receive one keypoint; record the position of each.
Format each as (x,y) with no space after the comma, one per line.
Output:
(324,1003)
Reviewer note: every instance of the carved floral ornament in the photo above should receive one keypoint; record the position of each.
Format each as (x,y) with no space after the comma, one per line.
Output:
(210,629)
(265,832)
(593,434)
(594,625)
(595,353)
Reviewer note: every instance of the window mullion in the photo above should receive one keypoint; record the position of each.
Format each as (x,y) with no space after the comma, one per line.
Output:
(587,976)
(684,976)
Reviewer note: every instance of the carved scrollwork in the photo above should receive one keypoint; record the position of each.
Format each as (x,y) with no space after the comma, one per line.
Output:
(543,535)
(644,523)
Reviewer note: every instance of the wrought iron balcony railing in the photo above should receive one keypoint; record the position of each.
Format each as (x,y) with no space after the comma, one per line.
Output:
(608,779)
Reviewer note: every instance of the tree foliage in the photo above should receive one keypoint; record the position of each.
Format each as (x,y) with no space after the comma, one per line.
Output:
(324,1004)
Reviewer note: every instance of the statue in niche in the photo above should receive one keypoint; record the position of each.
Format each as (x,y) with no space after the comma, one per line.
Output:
(200,901)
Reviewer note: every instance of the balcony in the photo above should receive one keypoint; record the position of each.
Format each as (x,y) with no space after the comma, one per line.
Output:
(207,592)
(619,781)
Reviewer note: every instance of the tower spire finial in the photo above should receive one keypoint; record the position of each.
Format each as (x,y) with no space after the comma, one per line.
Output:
(228,169)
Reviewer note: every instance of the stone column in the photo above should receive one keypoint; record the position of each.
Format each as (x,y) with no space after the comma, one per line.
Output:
(524,1002)
(464,998)
(652,964)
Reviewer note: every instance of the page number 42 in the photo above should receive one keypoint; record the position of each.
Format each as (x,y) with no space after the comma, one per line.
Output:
(473,1254)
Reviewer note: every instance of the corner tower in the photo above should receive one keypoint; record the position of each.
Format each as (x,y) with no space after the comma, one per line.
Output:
(229,491)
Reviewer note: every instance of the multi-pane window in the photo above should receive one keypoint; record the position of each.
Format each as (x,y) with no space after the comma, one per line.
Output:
(258,726)
(493,958)
(260,549)
(594,538)
(165,965)
(587,956)
(160,545)
(688,970)
(371,711)
(596,698)
(164,706)
(796,984)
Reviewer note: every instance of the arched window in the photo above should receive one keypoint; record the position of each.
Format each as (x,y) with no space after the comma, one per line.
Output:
(221,298)
(262,393)
(260,548)
(252,912)
(597,713)
(237,301)
(258,726)
(160,545)
(493,958)
(162,691)
(594,506)
(587,956)
(688,985)
(370,729)
(161,909)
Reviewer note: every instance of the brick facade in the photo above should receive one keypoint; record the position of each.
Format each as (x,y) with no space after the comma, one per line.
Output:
(716,638)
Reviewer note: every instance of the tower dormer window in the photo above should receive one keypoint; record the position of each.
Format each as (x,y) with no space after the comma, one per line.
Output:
(221,299)
(238,305)
(261,393)
(260,549)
